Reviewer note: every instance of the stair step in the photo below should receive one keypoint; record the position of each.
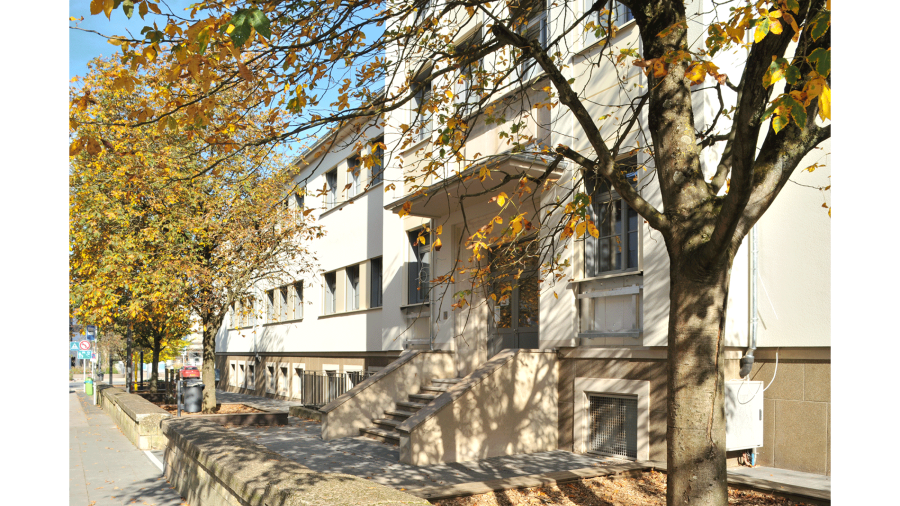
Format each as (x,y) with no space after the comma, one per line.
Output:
(446,380)
(410,406)
(386,423)
(385,436)
(423,397)
(432,388)
(398,414)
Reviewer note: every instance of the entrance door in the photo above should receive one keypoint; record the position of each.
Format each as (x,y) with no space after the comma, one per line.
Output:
(516,312)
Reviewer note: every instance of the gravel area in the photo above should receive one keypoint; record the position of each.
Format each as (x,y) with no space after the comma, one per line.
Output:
(648,489)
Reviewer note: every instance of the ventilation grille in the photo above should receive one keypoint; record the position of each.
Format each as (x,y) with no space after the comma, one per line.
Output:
(613,422)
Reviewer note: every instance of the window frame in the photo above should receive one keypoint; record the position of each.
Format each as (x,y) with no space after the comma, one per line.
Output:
(620,11)
(376,172)
(528,67)
(331,182)
(330,293)
(295,292)
(352,302)
(376,294)
(418,289)
(606,196)
(354,170)
(421,124)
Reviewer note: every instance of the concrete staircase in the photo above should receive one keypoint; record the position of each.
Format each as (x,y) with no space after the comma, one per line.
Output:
(385,429)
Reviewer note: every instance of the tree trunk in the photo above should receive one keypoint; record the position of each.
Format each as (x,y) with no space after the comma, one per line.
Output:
(210,326)
(154,372)
(129,365)
(696,419)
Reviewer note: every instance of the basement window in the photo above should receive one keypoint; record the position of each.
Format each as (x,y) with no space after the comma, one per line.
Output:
(613,425)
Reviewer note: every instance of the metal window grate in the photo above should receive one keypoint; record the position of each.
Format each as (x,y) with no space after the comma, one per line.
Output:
(613,427)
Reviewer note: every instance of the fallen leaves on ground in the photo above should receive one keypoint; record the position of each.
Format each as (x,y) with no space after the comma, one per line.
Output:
(648,489)
(221,409)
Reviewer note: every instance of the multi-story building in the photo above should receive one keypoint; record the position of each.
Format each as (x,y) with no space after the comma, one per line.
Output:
(593,341)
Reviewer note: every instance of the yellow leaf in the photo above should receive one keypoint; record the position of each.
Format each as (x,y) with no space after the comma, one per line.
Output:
(405,209)
(108,6)
(437,244)
(229,29)
(825,103)
(592,229)
(440,229)
(449,94)
(75,147)
(96,7)
(501,199)
(580,228)
(695,73)
(554,294)
(775,27)
(422,239)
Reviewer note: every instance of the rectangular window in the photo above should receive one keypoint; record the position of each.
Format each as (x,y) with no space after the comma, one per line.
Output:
(616,248)
(270,379)
(270,306)
(468,85)
(332,191)
(536,29)
(353,170)
(296,293)
(284,308)
(251,376)
(352,288)
(419,266)
(421,111)
(330,292)
(598,22)
(377,170)
(375,285)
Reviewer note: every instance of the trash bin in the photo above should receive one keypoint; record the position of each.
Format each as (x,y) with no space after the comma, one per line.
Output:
(89,386)
(193,396)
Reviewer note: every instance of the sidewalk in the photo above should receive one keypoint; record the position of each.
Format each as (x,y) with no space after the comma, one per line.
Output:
(105,469)
(302,442)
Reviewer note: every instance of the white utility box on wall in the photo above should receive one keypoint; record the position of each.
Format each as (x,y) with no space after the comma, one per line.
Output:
(743,414)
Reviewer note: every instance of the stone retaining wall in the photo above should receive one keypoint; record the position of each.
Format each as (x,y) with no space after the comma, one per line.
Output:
(137,418)
(210,465)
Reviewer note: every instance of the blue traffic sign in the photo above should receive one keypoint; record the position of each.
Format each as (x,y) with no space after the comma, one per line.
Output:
(73,346)
(91,332)
(84,354)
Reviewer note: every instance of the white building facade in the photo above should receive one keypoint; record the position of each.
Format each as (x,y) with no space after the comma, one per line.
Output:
(605,320)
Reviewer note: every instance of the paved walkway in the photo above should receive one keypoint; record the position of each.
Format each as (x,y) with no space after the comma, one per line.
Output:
(105,469)
(301,441)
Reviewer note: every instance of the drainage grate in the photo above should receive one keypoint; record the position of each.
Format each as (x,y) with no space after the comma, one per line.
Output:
(613,422)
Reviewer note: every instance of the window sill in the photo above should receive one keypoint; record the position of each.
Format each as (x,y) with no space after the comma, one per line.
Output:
(416,305)
(347,313)
(248,327)
(341,205)
(295,320)
(607,276)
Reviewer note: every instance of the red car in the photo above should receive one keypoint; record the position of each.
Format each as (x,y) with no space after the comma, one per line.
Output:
(190,371)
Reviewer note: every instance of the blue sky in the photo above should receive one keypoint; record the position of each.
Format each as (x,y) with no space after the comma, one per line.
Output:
(84,46)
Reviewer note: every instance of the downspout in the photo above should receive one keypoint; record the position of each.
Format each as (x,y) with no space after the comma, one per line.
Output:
(747,359)
(431,321)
